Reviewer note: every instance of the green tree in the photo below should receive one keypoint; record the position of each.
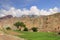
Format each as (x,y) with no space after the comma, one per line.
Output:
(19,25)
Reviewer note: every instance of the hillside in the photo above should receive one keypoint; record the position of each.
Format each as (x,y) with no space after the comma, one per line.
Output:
(43,23)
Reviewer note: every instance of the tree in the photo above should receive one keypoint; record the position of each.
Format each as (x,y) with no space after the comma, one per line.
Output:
(19,25)
(34,29)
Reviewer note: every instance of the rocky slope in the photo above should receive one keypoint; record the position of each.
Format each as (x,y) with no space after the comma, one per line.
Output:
(43,23)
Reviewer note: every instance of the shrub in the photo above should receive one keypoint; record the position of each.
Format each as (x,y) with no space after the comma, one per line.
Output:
(34,29)
(8,28)
(59,33)
(25,29)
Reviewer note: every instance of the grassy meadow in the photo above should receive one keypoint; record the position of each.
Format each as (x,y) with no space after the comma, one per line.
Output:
(39,36)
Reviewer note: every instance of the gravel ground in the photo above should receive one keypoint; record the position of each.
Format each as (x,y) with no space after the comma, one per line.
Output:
(9,37)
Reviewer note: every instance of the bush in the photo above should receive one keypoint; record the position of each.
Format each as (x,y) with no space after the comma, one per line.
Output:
(59,33)
(25,29)
(34,29)
(8,28)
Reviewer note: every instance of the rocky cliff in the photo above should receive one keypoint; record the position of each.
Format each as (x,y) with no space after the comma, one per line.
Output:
(43,23)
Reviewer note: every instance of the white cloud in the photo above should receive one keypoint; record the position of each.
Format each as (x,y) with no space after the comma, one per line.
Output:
(44,12)
(50,11)
(33,10)
(54,10)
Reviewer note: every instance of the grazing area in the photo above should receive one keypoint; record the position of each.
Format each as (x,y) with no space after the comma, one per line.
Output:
(39,36)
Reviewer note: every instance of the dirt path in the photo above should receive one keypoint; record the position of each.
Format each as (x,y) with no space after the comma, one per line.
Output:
(9,37)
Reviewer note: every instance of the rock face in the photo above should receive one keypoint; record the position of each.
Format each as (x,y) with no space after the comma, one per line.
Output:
(5,17)
(50,23)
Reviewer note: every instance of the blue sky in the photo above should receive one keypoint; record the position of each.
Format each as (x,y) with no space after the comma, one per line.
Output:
(20,4)
(28,7)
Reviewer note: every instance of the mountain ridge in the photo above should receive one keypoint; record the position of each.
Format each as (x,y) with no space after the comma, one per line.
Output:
(43,23)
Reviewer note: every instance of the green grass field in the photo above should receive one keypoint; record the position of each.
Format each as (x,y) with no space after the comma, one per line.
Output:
(39,36)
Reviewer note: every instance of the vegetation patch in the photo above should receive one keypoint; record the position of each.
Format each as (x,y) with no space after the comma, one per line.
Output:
(8,28)
(34,29)
(39,35)
(25,29)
